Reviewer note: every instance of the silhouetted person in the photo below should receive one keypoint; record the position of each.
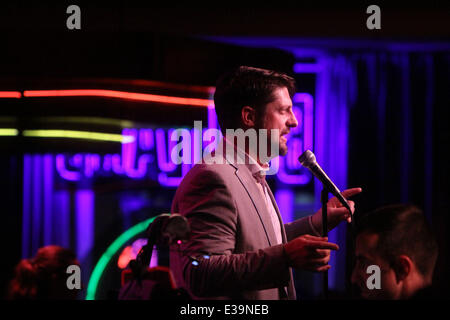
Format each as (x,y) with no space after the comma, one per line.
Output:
(43,277)
(398,239)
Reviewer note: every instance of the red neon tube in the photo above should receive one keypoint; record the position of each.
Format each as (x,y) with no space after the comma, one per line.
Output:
(118,94)
(10,94)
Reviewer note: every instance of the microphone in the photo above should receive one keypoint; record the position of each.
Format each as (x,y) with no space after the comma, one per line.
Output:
(165,230)
(174,229)
(308,160)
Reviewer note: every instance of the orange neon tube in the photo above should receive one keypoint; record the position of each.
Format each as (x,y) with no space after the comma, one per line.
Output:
(10,94)
(118,94)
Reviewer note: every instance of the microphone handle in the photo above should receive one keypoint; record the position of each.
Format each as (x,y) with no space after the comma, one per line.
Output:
(326,181)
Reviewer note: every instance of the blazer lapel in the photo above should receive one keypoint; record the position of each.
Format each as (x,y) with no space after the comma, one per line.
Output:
(283,232)
(290,288)
(249,183)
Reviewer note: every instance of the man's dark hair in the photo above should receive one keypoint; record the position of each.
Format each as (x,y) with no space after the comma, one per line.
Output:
(247,86)
(402,229)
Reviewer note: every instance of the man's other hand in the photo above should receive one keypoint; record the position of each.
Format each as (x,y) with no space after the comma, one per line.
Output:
(309,253)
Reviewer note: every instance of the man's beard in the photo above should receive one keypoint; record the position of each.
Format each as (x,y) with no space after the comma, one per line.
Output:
(282,146)
(283,150)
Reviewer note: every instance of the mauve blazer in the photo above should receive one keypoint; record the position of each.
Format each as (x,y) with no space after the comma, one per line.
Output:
(231,224)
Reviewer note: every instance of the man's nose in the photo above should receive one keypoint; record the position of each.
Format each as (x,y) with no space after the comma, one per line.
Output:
(292,121)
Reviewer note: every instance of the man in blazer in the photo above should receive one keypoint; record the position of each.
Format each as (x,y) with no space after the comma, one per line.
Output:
(239,247)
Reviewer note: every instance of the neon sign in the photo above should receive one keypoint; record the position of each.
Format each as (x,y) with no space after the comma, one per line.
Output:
(109,94)
(300,138)
(148,155)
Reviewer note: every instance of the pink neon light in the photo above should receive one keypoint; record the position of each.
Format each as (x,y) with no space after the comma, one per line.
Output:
(125,257)
(297,144)
(63,172)
(10,94)
(129,151)
(118,94)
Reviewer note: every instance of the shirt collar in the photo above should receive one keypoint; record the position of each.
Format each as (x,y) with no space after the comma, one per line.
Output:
(251,164)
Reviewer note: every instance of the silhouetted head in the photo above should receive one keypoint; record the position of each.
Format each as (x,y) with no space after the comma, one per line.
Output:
(398,240)
(44,276)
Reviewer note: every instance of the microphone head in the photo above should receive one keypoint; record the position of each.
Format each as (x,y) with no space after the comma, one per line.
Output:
(307,159)
(167,228)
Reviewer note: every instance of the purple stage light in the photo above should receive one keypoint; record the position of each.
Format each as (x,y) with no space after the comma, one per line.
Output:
(63,172)
(26,216)
(299,139)
(146,139)
(163,154)
(91,164)
(84,216)
(37,226)
(129,154)
(48,199)
(285,201)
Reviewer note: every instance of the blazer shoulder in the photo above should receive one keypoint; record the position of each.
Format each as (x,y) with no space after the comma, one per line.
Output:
(209,172)
(201,182)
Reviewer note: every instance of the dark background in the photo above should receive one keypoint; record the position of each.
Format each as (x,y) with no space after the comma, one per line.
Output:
(170,44)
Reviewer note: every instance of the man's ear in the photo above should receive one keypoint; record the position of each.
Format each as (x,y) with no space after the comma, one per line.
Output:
(402,267)
(248,117)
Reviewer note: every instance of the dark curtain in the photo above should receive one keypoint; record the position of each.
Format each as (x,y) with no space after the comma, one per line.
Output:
(399,138)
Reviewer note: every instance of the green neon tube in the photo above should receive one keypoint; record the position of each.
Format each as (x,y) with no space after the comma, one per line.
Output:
(9,132)
(78,135)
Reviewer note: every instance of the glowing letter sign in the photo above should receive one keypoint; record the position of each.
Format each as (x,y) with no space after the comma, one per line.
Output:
(151,152)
